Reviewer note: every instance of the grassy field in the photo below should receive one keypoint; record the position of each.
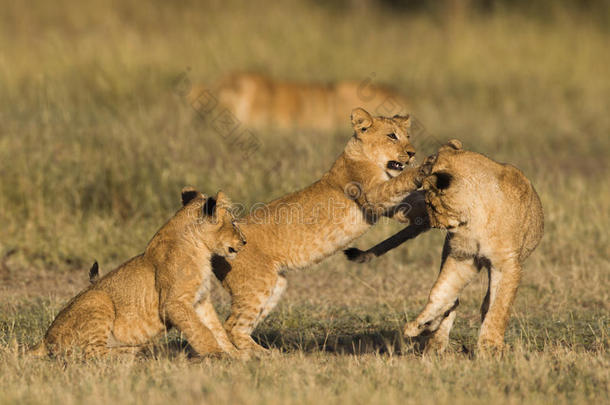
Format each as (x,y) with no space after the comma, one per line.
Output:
(95,145)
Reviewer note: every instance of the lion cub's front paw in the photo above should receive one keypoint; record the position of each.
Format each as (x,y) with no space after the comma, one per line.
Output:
(237,354)
(241,355)
(358,256)
(412,329)
(249,347)
(256,352)
(424,170)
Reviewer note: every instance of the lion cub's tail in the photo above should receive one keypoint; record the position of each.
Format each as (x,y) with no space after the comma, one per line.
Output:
(94,273)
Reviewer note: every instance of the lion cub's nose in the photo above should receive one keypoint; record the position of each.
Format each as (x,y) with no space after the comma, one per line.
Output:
(410,153)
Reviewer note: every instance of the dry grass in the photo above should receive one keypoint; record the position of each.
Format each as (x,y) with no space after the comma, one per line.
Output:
(95,146)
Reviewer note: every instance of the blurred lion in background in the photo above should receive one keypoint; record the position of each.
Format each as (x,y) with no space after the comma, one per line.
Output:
(261,102)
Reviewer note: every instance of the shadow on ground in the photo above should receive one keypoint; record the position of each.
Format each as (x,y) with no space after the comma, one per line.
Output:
(379,342)
(382,342)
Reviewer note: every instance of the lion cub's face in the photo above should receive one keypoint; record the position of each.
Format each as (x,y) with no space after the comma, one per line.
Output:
(384,141)
(451,185)
(215,224)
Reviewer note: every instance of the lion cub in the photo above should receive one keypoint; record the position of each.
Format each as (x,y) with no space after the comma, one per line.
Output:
(167,285)
(494,220)
(366,181)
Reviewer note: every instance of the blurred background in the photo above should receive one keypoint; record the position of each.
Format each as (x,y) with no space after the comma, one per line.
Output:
(96,142)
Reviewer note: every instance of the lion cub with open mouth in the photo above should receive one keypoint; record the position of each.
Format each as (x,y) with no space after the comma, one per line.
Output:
(494,220)
(167,285)
(369,178)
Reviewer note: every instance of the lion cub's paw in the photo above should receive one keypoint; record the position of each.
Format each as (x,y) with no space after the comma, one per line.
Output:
(358,256)
(249,347)
(425,169)
(258,351)
(240,354)
(413,329)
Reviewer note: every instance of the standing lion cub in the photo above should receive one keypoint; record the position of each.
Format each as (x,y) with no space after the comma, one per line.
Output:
(494,220)
(366,181)
(167,285)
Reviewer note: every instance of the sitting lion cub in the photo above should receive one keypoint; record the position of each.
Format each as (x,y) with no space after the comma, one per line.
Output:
(494,220)
(167,285)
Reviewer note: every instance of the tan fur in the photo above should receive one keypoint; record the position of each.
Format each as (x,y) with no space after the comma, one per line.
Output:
(167,285)
(260,102)
(305,227)
(494,220)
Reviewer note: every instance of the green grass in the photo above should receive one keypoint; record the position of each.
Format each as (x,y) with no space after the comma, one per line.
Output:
(95,146)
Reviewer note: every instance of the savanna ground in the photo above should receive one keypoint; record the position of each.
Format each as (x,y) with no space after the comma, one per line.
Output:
(95,145)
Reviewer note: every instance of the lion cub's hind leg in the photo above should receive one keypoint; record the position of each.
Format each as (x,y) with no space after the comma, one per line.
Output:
(250,306)
(85,325)
(503,283)
(278,290)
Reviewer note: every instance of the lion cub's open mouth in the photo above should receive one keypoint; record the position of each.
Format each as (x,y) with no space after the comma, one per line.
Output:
(395,165)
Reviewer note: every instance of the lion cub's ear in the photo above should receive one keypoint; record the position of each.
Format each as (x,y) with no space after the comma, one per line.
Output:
(223,204)
(209,208)
(216,207)
(452,144)
(188,193)
(361,119)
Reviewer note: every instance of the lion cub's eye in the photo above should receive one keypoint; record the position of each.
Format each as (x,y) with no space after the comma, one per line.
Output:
(393,136)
